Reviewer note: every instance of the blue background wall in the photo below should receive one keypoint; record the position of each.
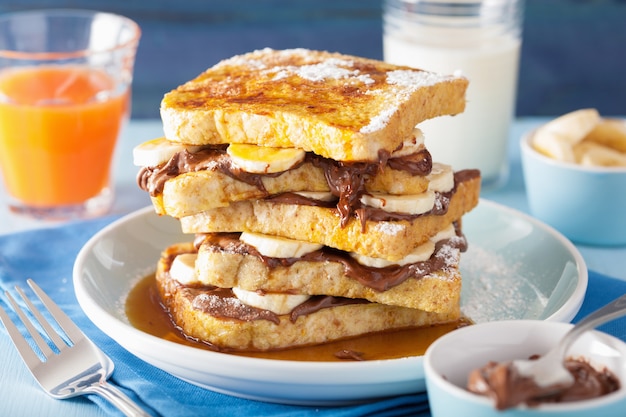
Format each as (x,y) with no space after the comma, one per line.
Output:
(573,55)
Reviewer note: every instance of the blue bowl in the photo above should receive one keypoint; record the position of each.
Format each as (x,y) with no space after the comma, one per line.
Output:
(450,359)
(586,204)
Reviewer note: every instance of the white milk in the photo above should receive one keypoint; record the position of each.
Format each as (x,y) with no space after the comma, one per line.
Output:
(478,137)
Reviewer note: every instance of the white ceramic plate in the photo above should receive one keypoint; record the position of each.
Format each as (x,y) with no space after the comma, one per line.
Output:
(516,268)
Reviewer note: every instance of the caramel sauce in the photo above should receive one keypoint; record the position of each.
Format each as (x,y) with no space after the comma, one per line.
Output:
(145,312)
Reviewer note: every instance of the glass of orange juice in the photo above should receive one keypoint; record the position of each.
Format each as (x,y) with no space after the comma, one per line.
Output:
(65,78)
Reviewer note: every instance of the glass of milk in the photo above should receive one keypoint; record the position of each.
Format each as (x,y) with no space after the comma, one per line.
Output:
(480,40)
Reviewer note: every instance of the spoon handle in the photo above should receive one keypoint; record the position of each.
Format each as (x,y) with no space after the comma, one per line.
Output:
(611,311)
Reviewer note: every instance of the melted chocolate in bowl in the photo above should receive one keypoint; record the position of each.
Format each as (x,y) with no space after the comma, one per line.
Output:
(508,388)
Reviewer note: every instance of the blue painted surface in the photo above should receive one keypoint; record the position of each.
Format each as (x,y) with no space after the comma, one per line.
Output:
(573,55)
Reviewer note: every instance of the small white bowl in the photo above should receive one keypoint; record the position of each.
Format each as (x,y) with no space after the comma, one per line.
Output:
(451,358)
(586,204)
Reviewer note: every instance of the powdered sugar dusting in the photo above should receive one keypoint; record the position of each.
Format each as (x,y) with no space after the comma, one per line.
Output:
(329,69)
(380,121)
(315,71)
(415,79)
(365,79)
(494,288)
(389,228)
(244,61)
(280,74)
(450,254)
(404,82)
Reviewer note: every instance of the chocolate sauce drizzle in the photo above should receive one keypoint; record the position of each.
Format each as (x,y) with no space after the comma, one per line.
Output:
(346,180)
(379,279)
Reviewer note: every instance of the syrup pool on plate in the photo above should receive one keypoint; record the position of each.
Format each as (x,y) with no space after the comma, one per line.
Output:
(146,313)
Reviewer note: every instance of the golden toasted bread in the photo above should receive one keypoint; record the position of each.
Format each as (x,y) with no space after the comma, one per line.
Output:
(392,240)
(189,308)
(430,285)
(338,106)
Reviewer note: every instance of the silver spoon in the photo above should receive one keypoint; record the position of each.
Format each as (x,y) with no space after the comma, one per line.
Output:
(549,370)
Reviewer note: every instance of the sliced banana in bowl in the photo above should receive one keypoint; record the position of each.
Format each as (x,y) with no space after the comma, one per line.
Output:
(583,137)
(575,180)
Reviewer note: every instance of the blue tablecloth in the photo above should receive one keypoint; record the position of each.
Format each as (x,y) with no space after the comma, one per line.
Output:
(48,255)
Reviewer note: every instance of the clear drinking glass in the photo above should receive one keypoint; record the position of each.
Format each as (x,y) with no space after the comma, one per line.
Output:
(65,78)
(479,39)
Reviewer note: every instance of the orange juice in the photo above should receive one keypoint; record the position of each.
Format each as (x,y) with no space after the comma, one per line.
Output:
(58,129)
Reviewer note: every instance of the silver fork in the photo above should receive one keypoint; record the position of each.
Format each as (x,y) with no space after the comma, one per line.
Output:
(77,367)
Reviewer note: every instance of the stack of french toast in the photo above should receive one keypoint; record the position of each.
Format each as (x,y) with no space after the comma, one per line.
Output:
(316,210)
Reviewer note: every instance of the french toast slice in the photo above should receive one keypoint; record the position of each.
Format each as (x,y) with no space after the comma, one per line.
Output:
(338,106)
(433,284)
(196,191)
(193,310)
(392,239)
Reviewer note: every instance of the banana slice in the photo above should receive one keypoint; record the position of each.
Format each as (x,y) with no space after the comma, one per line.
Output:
(158,151)
(609,132)
(278,247)
(412,145)
(264,160)
(556,138)
(317,195)
(573,126)
(422,253)
(595,155)
(447,233)
(408,204)
(557,148)
(441,178)
(183,268)
(275,302)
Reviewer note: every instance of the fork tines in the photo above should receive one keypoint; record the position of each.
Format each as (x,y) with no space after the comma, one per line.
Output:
(57,342)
